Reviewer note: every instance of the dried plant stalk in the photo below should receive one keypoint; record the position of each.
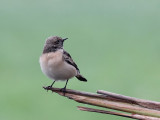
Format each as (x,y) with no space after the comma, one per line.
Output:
(133,116)
(113,101)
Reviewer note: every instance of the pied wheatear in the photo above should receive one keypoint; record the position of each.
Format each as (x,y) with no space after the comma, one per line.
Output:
(56,63)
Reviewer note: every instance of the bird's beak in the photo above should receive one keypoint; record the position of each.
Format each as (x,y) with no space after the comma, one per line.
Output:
(65,39)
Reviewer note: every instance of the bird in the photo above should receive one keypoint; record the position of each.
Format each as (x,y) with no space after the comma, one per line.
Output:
(57,64)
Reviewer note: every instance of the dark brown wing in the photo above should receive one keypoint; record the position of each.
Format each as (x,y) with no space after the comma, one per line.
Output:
(69,59)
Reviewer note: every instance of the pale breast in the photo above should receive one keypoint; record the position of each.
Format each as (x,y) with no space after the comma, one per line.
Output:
(53,65)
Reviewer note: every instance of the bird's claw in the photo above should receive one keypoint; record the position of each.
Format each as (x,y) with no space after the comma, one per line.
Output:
(63,90)
(48,87)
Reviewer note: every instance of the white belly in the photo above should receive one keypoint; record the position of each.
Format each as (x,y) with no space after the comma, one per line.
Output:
(53,66)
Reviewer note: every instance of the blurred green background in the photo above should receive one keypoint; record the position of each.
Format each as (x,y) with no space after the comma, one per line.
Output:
(114,42)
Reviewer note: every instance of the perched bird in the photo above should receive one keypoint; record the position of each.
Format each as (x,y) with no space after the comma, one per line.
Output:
(56,63)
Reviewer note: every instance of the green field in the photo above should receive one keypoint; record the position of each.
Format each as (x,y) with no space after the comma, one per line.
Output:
(116,44)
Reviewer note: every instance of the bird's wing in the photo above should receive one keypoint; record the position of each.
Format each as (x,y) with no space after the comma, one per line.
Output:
(69,60)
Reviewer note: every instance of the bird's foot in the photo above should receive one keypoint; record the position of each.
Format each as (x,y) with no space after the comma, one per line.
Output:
(63,90)
(48,87)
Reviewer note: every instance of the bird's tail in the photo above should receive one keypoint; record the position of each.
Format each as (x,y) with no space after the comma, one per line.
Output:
(81,78)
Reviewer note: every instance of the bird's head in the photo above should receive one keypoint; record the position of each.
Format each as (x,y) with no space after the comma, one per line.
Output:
(53,44)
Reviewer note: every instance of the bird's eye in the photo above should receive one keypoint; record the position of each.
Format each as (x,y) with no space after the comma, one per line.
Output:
(56,42)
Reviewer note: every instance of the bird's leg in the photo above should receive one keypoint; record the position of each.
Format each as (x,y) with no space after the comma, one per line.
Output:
(51,84)
(64,89)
